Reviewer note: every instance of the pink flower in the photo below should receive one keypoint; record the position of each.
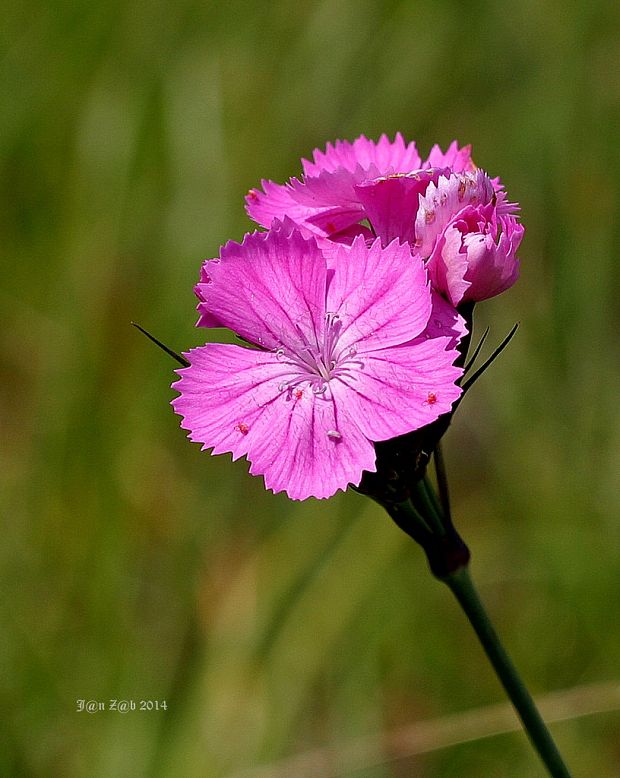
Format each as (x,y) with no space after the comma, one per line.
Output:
(326,202)
(469,233)
(453,215)
(345,353)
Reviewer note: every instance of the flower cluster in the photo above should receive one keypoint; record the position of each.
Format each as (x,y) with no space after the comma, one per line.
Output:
(349,308)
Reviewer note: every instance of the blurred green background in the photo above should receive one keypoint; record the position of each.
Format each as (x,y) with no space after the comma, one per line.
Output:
(136,567)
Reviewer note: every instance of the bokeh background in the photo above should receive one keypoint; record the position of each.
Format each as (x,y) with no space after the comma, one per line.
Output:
(136,567)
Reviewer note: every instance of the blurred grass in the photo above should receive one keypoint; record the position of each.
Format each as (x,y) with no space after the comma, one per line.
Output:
(133,566)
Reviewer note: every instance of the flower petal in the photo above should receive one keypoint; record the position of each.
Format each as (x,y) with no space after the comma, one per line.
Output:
(302,443)
(445,321)
(493,266)
(324,206)
(448,265)
(391,202)
(268,289)
(224,391)
(402,388)
(458,159)
(331,189)
(276,202)
(473,266)
(311,447)
(381,295)
(444,200)
(387,156)
(336,223)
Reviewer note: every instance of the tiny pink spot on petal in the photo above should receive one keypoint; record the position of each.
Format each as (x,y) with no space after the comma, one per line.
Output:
(253,194)
(334,435)
(298,394)
(429,217)
(242,427)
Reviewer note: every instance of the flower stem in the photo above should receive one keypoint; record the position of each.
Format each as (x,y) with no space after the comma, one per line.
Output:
(442,481)
(461,585)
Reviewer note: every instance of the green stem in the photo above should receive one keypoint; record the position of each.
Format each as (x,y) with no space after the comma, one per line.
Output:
(442,481)
(463,589)
(429,508)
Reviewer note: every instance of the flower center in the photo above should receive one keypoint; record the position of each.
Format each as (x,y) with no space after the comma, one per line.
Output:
(319,361)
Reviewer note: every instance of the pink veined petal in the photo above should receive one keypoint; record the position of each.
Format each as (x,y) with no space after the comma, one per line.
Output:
(444,200)
(473,266)
(321,206)
(268,289)
(302,443)
(341,154)
(331,247)
(445,321)
(502,205)
(391,202)
(458,159)
(380,295)
(276,202)
(331,189)
(205,318)
(346,237)
(333,223)
(402,388)
(224,391)
(312,451)
(448,265)
(493,266)
(388,156)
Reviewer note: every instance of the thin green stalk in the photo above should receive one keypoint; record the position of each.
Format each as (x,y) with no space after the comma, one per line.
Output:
(442,481)
(429,508)
(463,589)
(423,519)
